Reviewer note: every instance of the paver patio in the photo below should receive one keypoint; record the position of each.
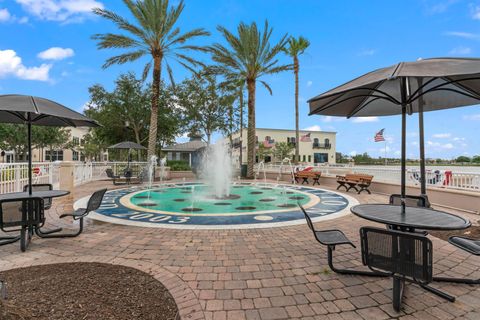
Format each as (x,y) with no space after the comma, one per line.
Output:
(277,273)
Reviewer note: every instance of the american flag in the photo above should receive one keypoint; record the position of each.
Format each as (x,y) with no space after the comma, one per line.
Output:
(305,138)
(379,136)
(268,143)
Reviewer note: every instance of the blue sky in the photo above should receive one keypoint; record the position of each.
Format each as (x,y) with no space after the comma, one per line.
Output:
(348,38)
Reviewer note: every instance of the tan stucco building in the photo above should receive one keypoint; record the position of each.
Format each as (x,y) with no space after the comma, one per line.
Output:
(316,146)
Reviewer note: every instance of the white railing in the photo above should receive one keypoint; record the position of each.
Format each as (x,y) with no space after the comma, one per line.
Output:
(443,178)
(14,176)
(92,171)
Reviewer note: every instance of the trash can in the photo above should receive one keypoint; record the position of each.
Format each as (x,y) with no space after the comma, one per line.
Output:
(243,171)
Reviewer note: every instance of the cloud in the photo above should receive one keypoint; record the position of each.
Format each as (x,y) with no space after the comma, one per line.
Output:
(5,16)
(365,119)
(309,83)
(313,128)
(475,12)
(461,51)
(458,139)
(442,135)
(474,117)
(11,65)
(60,10)
(439,7)
(367,52)
(332,119)
(438,145)
(56,53)
(353,153)
(465,35)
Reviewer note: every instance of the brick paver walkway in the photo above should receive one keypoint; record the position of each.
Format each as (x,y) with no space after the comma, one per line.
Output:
(278,273)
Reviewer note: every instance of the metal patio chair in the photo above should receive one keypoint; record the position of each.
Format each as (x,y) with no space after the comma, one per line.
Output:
(468,244)
(115,178)
(20,215)
(47,202)
(93,204)
(410,201)
(406,256)
(332,238)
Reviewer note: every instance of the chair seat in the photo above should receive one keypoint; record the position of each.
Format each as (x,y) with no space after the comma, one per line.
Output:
(77,213)
(467,244)
(332,237)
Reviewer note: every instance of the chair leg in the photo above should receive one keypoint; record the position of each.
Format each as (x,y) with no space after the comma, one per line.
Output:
(64,235)
(50,231)
(25,237)
(457,280)
(342,185)
(439,293)
(398,286)
(8,240)
(349,271)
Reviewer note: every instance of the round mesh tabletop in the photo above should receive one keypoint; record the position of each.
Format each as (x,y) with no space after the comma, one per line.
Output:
(421,218)
(37,194)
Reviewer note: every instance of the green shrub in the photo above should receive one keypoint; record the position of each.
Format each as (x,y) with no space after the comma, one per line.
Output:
(178,165)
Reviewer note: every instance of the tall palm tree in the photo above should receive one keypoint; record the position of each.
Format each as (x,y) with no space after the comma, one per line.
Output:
(295,48)
(247,57)
(152,32)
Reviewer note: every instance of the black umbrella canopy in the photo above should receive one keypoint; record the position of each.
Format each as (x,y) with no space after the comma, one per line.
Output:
(438,83)
(128,145)
(16,108)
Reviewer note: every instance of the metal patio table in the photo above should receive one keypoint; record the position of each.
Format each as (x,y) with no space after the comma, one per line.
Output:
(36,194)
(413,218)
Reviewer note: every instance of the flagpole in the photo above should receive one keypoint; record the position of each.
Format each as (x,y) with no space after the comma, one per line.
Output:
(385,152)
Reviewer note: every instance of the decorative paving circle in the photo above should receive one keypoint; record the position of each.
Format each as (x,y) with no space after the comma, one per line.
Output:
(192,205)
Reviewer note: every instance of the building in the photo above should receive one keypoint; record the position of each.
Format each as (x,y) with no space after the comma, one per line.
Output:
(189,152)
(68,154)
(315,146)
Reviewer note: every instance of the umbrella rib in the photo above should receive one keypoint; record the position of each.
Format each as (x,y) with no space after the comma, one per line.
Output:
(456,91)
(438,87)
(412,96)
(360,107)
(34,105)
(461,86)
(357,110)
(349,98)
(18,115)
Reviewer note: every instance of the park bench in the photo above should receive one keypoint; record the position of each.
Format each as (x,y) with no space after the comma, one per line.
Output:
(354,180)
(315,175)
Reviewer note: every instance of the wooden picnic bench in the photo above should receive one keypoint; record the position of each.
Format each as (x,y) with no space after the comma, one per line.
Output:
(315,175)
(354,180)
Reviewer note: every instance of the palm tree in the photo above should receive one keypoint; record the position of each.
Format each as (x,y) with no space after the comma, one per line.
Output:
(153,32)
(249,56)
(295,48)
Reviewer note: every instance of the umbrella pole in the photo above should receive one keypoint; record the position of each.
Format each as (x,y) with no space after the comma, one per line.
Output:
(403,90)
(29,130)
(423,179)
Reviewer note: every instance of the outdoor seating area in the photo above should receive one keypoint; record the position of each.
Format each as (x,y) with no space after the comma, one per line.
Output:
(305,175)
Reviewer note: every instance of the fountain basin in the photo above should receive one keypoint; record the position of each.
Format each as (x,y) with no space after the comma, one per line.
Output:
(248,206)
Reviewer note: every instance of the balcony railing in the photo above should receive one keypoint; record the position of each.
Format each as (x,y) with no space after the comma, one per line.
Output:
(321,145)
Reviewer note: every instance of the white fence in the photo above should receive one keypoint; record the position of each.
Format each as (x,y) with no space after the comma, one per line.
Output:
(444,178)
(14,176)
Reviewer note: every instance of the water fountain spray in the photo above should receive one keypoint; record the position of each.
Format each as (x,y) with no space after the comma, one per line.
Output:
(217,169)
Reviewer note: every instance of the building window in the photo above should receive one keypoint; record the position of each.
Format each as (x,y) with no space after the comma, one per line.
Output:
(327,142)
(75,156)
(56,155)
(309,158)
(76,141)
(304,158)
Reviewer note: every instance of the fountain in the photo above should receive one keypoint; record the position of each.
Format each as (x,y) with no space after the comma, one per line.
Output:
(260,166)
(151,177)
(291,170)
(163,162)
(217,169)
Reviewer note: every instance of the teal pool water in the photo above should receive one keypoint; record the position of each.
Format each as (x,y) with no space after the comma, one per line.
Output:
(198,199)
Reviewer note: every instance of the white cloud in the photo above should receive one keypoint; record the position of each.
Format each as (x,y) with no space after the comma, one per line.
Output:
(365,119)
(313,128)
(309,83)
(353,153)
(56,53)
(60,10)
(5,15)
(458,139)
(367,52)
(476,12)
(332,119)
(438,145)
(442,135)
(474,117)
(461,34)
(11,65)
(461,51)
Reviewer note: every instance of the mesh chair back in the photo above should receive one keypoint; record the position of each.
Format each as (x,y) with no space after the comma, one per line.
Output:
(397,252)
(410,201)
(15,213)
(95,200)
(109,173)
(307,217)
(47,202)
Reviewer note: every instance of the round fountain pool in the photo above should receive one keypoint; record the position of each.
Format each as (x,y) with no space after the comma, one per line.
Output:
(192,205)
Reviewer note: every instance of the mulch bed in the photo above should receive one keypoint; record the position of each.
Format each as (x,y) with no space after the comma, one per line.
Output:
(471,232)
(84,291)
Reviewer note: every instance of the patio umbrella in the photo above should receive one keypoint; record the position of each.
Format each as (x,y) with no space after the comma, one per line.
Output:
(405,88)
(128,145)
(22,109)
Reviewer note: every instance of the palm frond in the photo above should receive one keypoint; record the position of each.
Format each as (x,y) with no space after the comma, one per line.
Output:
(266,86)
(146,71)
(124,58)
(120,22)
(110,40)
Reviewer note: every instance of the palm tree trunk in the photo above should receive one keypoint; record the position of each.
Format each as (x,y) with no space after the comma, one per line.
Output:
(241,126)
(251,128)
(152,137)
(297,133)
